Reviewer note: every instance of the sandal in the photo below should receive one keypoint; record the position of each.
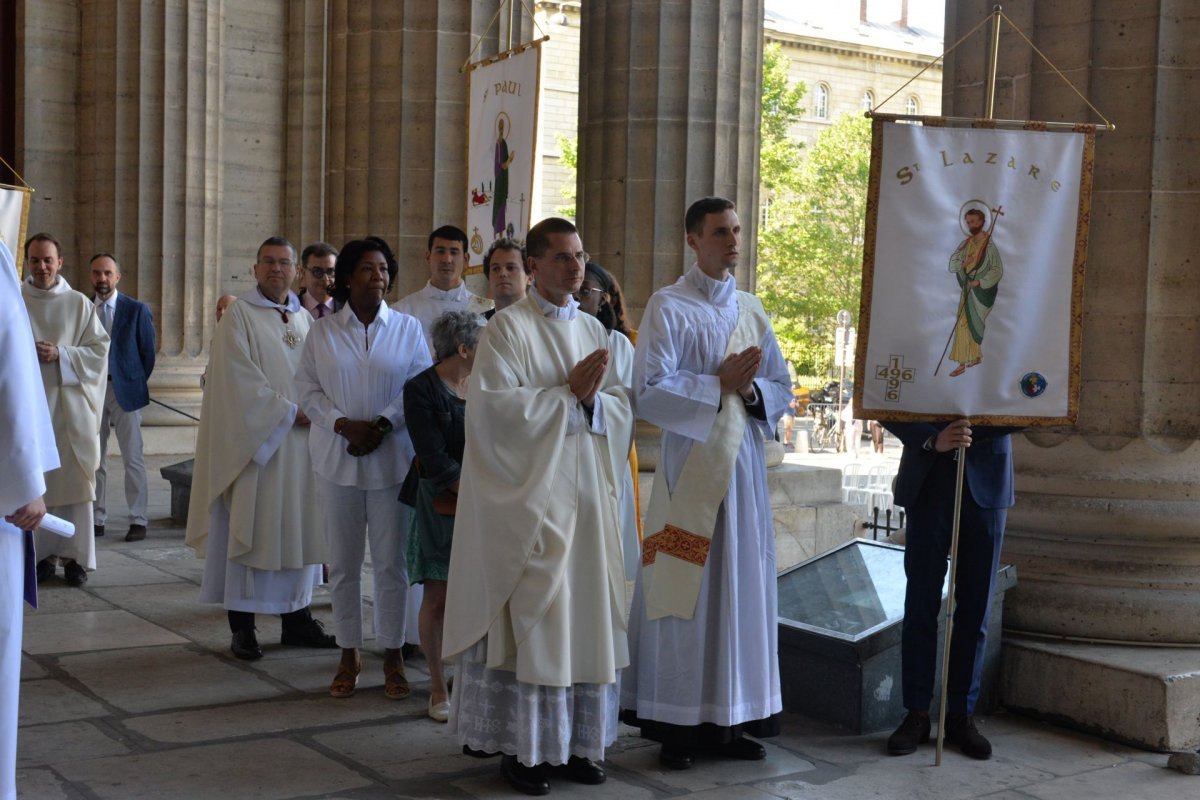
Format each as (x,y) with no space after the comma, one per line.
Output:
(344,682)
(395,684)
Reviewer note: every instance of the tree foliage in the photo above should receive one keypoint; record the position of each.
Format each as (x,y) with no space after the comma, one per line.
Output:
(569,147)
(810,245)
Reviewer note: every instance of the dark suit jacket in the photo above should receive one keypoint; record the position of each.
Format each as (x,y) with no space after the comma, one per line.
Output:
(131,354)
(989,470)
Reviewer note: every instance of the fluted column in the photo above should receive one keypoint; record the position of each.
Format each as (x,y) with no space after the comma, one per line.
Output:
(397,119)
(1105,533)
(669,110)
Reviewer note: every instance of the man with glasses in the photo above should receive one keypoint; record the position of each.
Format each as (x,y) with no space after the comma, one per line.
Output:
(316,279)
(446,255)
(254,514)
(535,596)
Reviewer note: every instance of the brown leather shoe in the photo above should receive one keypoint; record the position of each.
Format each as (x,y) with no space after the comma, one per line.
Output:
(395,682)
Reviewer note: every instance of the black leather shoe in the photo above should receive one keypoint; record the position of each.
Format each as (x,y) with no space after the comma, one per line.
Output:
(914,730)
(674,757)
(307,633)
(45,570)
(584,770)
(962,732)
(527,780)
(76,575)
(99,530)
(245,645)
(136,533)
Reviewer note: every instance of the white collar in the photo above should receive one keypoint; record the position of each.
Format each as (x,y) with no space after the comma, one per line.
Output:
(347,317)
(60,286)
(255,298)
(719,293)
(460,292)
(551,311)
(111,302)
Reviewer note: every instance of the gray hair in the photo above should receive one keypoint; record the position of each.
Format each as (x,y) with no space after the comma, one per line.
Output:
(454,328)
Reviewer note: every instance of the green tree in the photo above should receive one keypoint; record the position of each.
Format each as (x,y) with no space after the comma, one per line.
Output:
(810,246)
(569,147)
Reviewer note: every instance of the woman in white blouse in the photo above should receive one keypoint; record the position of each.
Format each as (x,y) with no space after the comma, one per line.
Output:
(351,380)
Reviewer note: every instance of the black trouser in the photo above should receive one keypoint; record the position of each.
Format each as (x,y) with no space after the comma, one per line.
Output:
(241,620)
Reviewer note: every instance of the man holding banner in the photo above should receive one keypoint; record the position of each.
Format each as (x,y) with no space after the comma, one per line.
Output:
(708,371)
(925,488)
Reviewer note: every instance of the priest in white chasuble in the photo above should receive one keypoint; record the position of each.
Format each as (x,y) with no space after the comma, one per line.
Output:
(27,454)
(702,627)
(72,350)
(535,596)
(254,514)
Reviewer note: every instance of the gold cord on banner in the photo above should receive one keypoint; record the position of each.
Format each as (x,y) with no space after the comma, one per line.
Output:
(997,15)
(511,50)
(14,172)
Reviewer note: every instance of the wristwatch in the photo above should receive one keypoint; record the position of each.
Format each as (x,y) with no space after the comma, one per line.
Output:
(383,424)
(339,424)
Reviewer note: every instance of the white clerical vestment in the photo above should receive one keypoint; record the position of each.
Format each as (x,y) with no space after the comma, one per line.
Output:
(721,665)
(27,452)
(74,387)
(254,513)
(430,302)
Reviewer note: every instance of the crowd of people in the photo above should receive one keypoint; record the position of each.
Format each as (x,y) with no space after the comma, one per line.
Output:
(501,539)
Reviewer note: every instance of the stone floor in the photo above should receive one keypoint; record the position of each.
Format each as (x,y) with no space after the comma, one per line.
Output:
(129,693)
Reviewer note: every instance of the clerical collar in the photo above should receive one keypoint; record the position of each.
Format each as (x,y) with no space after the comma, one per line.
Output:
(459,292)
(60,286)
(719,293)
(551,311)
(256,298)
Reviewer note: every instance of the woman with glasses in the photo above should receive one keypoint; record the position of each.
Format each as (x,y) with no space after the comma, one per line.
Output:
(351,379)
(601,296)
(434,405)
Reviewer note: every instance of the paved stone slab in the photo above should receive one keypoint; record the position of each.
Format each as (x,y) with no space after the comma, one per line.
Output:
(710,772)
(156,678)
(428,749)
(45,701)
(1055,750)
(1130,780)
(115,568)
(51,744)
(176,607)
(311,671)
(40,784)
(494,787)
(734,793)
(270,717)
(31,670)
(176,559)
(85,631)
(216,771)
(55,597)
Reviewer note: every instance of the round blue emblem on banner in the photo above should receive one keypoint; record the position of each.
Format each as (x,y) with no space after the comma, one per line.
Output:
(1033,384)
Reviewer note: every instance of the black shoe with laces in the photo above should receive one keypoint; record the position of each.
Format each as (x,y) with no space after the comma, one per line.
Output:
(245,645)
(75,573)
(675,757)
(742,749)
(584,770)
(306,632)
(961,730)
(913,731)
(527,780)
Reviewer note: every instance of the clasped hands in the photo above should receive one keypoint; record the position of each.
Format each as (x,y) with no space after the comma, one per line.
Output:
(737,372)
(47,352)
(585,378)
(364,436)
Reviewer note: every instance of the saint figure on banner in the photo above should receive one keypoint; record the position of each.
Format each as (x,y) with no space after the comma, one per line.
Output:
(977,266)
(500,188)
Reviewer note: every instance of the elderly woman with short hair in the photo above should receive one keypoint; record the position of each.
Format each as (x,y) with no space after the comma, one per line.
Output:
(434,404)
(351,379)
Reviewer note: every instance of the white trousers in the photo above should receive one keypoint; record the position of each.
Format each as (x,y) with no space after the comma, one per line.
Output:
(129,439)
(12,568)
(352,517)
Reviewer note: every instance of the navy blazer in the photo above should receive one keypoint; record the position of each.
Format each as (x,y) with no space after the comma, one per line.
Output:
(989,470)
(131,354)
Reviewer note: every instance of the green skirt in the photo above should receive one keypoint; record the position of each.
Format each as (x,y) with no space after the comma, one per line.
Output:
(429,537)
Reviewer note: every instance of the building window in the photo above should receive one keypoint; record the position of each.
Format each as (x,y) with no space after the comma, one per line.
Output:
(868,100)
(821,109)
(911,106)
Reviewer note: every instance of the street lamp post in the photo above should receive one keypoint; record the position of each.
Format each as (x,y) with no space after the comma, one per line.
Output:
(843,340)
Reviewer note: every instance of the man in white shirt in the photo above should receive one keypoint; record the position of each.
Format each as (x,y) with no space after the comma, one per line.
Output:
(535,598)
(316,279)
(446,255)
(507,270)
(130,362)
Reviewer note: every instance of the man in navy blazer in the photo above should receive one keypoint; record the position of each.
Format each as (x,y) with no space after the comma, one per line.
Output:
(925,488)
(130,362)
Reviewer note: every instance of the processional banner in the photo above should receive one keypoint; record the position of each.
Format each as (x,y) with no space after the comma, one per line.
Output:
(502,147)
(14,219)
(973,274)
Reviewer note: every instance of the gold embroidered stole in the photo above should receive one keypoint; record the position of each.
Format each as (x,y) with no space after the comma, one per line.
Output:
(673,558)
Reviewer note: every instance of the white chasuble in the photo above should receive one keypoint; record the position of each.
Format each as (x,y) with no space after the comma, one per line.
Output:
(251,462)
(536,565)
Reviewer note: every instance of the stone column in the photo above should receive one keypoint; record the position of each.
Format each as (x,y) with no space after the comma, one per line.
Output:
(397,109)
(669,109)
(1105,533)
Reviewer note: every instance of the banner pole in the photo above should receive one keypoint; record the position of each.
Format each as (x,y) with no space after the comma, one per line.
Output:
(993,61)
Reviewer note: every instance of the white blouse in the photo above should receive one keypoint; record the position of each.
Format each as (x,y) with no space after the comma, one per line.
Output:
(348,370)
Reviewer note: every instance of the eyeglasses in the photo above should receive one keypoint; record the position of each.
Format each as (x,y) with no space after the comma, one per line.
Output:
(586,292)
(283,263)
(565,259)
(321,273)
